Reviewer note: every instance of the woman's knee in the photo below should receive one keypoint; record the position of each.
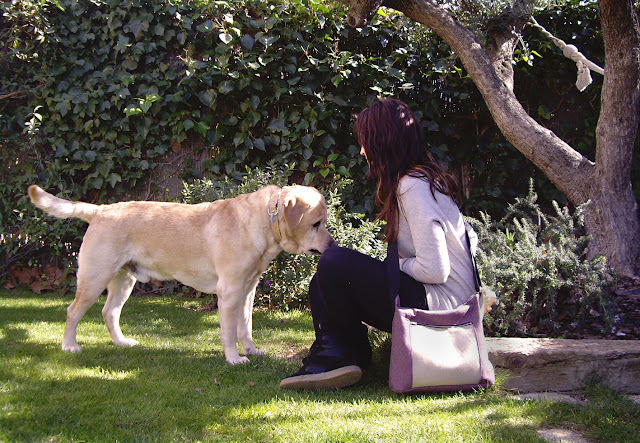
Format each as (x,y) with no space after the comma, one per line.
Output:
(332,261)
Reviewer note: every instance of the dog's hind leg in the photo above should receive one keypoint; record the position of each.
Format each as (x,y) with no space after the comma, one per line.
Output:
(119,289)
(245,325)
(89,289)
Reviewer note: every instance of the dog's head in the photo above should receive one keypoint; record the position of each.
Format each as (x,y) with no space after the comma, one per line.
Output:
(303,223)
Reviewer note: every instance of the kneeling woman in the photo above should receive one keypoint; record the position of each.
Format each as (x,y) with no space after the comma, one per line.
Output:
(417,198)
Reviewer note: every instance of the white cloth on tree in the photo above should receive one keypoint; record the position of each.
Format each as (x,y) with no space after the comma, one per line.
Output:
(585,66)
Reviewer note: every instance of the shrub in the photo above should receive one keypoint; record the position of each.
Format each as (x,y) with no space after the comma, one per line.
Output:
(204,190)
(538,266)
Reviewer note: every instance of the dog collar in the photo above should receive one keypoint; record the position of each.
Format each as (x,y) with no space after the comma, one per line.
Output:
(273,210)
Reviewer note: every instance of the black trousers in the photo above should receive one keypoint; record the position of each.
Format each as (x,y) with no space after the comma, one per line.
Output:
(350,288)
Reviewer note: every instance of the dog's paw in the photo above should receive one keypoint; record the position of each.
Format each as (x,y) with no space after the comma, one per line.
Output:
(237,360)
(254,351)
(126,342)
(70,348)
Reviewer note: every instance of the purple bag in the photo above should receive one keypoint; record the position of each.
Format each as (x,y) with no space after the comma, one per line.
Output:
(438,350)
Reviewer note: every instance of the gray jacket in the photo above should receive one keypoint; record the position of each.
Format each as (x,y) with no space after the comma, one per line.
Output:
(432,244)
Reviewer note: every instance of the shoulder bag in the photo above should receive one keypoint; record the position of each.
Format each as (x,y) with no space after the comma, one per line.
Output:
(437,350)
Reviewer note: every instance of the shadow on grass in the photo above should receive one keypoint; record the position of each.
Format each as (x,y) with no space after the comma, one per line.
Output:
(174,384)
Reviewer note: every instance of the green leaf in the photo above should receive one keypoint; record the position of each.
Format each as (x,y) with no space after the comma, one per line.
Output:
(207,26)
(226,38)
(544,112)
(268,40)
(114,178)
(328,141)
(231,120)
(308,178)
(225,87)
(138,27)
(238,139)
(276,125)
(187,124)
(307,140)
(145,106)
(201,128)
(129,64)
(254,101)
(259,144)
(63,107)
(247,41)
(96,183)
(208,97)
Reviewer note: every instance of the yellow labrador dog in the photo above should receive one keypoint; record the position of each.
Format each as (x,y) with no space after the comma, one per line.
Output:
(221,247)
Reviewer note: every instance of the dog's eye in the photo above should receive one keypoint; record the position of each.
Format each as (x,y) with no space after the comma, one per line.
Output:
(316,225)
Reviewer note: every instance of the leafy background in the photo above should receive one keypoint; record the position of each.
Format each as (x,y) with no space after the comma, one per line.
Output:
(110,100)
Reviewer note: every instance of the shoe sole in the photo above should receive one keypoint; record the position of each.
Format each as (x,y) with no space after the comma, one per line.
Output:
(338,378)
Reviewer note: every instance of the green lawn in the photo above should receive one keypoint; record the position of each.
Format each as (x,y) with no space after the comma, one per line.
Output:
(176,385)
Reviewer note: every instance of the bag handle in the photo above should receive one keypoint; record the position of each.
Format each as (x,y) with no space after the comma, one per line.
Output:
(393,268)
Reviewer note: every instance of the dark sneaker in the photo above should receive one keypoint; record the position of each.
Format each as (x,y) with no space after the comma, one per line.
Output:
(337,378)
(328,365)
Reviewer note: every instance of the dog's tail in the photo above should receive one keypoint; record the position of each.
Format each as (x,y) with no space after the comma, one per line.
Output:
(60,208)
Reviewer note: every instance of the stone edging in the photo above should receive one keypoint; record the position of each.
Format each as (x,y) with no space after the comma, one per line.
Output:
(544,364)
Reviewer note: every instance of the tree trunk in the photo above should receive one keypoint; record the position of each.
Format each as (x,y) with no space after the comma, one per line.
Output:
(613,223)
(502,38)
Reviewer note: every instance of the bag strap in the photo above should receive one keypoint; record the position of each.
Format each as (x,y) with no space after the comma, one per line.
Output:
(476,274)
(393,268)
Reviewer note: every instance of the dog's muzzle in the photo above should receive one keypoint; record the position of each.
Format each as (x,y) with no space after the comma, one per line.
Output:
(331,244)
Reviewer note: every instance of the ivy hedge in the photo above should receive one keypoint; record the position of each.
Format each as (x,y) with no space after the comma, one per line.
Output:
(111,90)
(119,85)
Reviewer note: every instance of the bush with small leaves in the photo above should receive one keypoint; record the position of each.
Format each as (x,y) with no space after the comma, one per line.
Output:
(538,266)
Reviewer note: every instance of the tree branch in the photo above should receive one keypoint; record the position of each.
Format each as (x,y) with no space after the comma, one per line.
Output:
(19,92)
(570,171)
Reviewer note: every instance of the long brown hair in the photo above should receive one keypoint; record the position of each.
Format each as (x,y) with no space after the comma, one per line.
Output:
(395,144)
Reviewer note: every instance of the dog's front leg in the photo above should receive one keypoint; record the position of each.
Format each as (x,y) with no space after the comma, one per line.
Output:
(228,306)
(245,325)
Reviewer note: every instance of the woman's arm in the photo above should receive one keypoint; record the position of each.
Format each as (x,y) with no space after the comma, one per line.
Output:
(425,220)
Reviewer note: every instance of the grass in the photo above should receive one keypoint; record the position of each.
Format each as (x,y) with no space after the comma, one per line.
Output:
(175,385)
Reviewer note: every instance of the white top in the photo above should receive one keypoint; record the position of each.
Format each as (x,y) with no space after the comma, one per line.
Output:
(432,244)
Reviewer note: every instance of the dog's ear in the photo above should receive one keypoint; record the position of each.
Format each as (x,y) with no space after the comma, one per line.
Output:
(294,209)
